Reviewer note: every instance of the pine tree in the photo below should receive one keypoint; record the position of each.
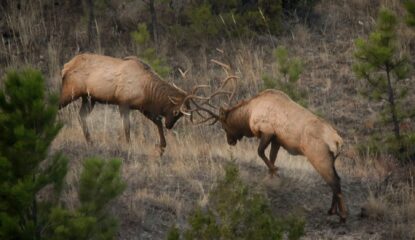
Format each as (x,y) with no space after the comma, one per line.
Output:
(410,8)
(147,53)
(383,67)
(100,182)
(289,71)
(27,127)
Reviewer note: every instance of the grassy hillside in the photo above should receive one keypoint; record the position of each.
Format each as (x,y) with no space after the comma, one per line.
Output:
(162,191)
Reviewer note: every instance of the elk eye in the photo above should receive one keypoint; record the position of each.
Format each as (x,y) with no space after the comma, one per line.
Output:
(175,113)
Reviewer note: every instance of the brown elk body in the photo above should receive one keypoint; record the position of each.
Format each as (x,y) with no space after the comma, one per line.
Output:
(278,121)
(128,83)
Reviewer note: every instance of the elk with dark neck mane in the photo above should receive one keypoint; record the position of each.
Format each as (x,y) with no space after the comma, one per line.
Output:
(128,83)
(278,121)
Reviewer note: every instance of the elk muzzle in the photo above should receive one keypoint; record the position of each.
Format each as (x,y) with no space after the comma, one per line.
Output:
(231,141)
(171,120)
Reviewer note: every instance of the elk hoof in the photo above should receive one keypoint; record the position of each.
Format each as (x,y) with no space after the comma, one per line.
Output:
(160,149)
(89,141)
(332,211)
(273,172)
(342,219)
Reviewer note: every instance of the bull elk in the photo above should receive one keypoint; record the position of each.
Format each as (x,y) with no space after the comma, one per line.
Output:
(278,121)
(128,83)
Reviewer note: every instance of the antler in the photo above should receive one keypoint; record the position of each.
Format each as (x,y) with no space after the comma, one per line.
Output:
(220,91)
(206,101)
(202,107)
(204,119)
(192,95)
(179,89)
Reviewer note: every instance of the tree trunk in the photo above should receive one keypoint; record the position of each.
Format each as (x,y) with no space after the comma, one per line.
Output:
(91,19)
(35,215)
(153,22)
(391,99)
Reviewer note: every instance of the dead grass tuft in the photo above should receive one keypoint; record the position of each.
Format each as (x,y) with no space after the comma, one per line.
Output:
(393,203)
(374,208)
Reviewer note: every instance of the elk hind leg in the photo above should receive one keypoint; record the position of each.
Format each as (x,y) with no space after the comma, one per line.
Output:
(263,144)
(125,114)
(86,108)
(323,162)
(275,146)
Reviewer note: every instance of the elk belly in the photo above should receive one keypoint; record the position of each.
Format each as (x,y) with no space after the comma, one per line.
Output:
(290,146)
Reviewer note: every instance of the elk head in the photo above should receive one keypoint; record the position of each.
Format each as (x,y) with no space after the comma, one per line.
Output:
(232,135)
(176,111)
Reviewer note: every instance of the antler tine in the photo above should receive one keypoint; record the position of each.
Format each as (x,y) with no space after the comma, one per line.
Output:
(205,120)
(181,90)
(226,67)
(235,78)
(206,100)
(197,87)
(191,98)
(198,107)
(211,105)
(183,73)
(220,91)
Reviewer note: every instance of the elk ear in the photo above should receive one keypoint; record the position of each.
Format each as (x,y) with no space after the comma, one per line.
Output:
(222,113)
(176,113)
(174,100)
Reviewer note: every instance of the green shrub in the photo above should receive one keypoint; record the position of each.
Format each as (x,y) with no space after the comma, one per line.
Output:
(100,182)
(147,53)
(289,71)
(212,20)
(234,211)
(27,127)
(302,8)
(410,8)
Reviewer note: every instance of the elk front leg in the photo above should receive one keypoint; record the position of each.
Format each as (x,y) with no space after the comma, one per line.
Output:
(86,109)
(263,144)
(125,114)
(161,133)
(157,120)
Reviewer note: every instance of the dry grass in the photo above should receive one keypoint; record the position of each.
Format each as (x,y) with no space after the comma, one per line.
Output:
(163,190)
(394,204)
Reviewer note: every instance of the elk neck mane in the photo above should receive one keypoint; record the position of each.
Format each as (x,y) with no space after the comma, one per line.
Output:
(239,116)
(159,90)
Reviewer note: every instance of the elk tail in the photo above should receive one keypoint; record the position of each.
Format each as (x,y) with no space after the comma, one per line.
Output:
(335,143)
(65,97)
